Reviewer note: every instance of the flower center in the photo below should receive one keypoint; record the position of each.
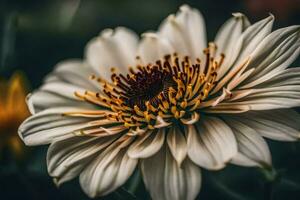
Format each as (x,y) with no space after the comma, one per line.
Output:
(153,96)
(145,86)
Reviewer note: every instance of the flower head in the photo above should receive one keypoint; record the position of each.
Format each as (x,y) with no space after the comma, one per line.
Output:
(13,110)
(169,103)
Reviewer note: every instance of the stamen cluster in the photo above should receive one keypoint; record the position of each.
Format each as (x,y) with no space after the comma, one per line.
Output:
(156,95)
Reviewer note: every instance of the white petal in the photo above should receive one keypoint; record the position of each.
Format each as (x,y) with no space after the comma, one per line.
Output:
(77,73)
(51,124)
(253,35)
(113,48)
(287,96)
(147,145)
(229,32)
(250,145)
(290,76)
(228,40)
(67,158)
(211,143)
(280,125)
(48,125)
(167,181)
(274,54)
(41,100)
(154,47)
(59,87)
(186,32)
(177,144)
(109,170)
(250,38)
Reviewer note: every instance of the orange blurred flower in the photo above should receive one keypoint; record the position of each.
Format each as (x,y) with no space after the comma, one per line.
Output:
(13,110)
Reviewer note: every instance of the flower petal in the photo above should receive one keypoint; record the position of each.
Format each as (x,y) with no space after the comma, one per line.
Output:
(186,32)
(154,47)
(211,143)
(75,72)
(51,124)
(41,100)
(287,96)
(253,35)
(253,150)
(290,76)
(280,125)
(167,180)
(59,87)
(228,40)
(109,170)
(147,145)
(177,144)
(67,158)
(113,48)
(274,54)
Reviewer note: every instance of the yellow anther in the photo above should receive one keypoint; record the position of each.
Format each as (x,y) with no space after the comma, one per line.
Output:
(138,111)
(195,106)
(178,95)
(170,95)
(183,104)
(166,104)
(150,107)
(181,113)
(150,126)
(161,107)
(128,125)
(173,109)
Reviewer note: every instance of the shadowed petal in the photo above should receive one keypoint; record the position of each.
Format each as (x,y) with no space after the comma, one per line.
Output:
(67,158)
(280,125)
(211,143)
(147,145)
(109,170)
(153,48)
(168,181)
(177,144)
(228,40)
(274,54)
(185,31)
(253,150)
(113,48)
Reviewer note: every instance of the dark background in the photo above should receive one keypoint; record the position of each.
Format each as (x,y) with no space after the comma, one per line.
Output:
(36,34)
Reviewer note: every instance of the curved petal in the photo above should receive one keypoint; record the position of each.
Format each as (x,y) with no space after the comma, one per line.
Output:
(228,40)
(75,72)
(113,48)
(41,100)
(52,124)
(58,90)
(280,125)
(274,54)
(147,145)
(177,144)
(250,39)
(153,48)
(269,98)
(253,150)
(185,31)
(67,158)
(109,170)
(253,35)
(167,180)
(290,76)
(211,143)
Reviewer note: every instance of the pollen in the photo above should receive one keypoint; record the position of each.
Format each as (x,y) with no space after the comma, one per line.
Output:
(171,89)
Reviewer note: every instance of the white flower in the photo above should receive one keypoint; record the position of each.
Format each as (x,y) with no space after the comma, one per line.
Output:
(169,104)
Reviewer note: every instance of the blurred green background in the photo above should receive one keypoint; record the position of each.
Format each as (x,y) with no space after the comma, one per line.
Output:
(36,34)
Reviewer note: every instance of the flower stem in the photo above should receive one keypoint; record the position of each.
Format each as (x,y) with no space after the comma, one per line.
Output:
(270,177)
